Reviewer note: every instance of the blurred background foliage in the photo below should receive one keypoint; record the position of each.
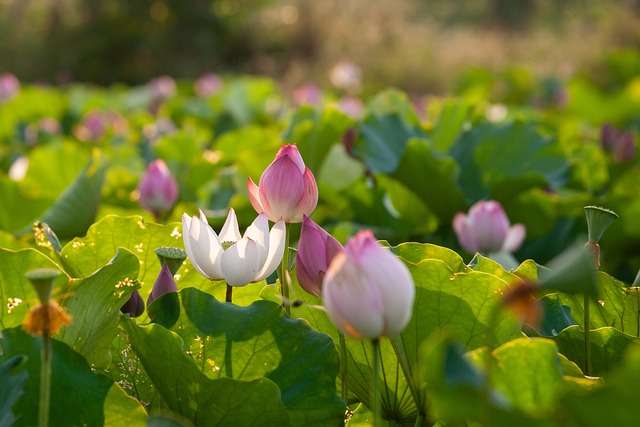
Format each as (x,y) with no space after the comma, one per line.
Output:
(415,45)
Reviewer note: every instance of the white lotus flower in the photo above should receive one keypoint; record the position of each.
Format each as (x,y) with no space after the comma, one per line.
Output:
(237,259)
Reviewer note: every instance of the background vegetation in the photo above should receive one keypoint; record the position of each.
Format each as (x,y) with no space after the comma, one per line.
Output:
(416,45)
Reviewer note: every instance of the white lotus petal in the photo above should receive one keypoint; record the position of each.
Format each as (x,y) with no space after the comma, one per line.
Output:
(230,231)
(258,231)
(205,248)
(240,262)
(186,238)
(276,250)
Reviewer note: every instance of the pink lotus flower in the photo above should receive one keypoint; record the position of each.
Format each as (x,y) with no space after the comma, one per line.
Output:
(158,189)
(9,86)
(368,292)
(207,85)
(287,188)
(487,229)
(164,284)
(316,250)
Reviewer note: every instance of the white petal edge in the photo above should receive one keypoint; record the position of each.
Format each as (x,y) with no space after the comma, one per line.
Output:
(205,248)
(514,238)
(276,250)
(258,231)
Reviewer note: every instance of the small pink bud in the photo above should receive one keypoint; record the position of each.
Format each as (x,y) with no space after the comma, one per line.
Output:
(207,85)
(351,106)
(307,94)
(316,250)
(287,188)
(487,229)
(163,87)
(368,292)
(164,284)
(9,86)
(158,189)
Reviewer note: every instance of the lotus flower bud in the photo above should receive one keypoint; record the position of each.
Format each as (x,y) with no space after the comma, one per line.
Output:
(316,250)
(307,94)
(621,145)
(207,85)
(158,189)
(134,305)
(367,291)
(487,229)
(9,86)
(164,284)
(287,188)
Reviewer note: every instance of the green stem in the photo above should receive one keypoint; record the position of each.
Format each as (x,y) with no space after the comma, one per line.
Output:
(229,293)
(284,272)
(343,366)
(419,420)
(375,398)
(398,348)
(45,381)
(587,337)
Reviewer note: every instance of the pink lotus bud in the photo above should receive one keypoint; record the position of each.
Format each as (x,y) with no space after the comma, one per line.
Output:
(351,106)
(347,76)
(9,86)
(368,292)
(164,284)
(134,305)
(207,85)
(287,188)
(307,94)
(158,189)
(316,249)
(163,87)
(487,229)
(620,144)
(625,148)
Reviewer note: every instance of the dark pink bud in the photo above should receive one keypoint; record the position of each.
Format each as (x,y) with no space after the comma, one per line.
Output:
(163,284)
(134,305)
(287,189)
(316,250)
(608,137)
(158,189)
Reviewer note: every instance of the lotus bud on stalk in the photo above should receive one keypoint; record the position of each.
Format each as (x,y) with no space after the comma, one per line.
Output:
(158,189)
(368,292)
(316,250)
(487,229)
(164,284)
(237,259)
(287,190)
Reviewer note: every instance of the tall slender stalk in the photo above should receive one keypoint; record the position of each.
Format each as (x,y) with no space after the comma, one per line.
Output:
(229,293)
(284,273)
(343,366)
(375,398)
(45,381)
(587,337)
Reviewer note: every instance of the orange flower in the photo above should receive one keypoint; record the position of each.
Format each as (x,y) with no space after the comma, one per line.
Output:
(46,319)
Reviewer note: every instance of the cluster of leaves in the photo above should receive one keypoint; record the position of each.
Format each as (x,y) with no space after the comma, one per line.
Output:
(401,173)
